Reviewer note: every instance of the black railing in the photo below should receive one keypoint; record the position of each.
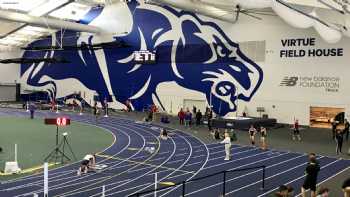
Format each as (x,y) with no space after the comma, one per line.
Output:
(183,183)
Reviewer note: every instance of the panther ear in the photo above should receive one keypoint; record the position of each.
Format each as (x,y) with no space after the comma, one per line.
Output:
(194,45)
(132,4)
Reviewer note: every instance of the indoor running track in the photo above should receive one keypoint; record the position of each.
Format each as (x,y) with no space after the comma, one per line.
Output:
(181,157)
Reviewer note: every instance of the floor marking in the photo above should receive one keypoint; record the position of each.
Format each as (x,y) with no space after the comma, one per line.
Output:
(29,170)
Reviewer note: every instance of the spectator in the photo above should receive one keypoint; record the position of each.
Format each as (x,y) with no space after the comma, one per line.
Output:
(194,109)
(323,192)
(181,116)
(154,108)
(198,117)
(339,141)
(32,109)
(188,118)
(209,114)
(346,129)
(128,105)
(53,105)
(150,116)
(296,131)
(311,172)
(346,187)
(96,111)
(252,132)
(284,191)
(334,128)
(263,135)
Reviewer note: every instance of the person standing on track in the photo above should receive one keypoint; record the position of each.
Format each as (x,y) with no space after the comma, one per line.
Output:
(346,129)
(32,109)
(181,116)
(227,142)
(311,171)
(334,128)
(252,132)
(95,111)
(339,140)
(296,131)
(263,135)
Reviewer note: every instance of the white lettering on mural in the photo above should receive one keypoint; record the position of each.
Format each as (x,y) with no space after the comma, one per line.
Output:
(297,47)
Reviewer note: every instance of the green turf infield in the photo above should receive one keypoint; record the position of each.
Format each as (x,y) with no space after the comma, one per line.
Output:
(35,140)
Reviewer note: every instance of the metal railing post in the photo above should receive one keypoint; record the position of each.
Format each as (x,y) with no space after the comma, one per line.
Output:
(224,185)
(263,181)
(183,188)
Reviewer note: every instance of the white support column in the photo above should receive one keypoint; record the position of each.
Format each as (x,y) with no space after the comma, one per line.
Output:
(46,179)
(15,152)
(155,184)
(103,191)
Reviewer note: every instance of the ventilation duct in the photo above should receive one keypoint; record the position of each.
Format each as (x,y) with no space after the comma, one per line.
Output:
(46,22)
(199,7)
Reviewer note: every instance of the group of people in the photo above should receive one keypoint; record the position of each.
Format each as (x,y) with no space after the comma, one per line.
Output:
(263,135)
(186,117)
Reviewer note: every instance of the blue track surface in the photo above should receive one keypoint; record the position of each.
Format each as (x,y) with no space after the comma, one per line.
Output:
(181,157)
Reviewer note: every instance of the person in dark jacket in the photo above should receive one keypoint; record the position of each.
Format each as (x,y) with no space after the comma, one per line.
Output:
(346,187)
(311,171)
(198,117)
(339,141)
(32,109)
(346,129)
(334,128)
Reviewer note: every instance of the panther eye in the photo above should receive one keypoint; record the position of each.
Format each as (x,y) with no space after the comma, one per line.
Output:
(225,88)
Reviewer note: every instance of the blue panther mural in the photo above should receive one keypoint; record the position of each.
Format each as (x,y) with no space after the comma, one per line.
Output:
(195,54)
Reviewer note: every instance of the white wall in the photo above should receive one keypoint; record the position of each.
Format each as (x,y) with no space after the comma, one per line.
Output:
(9,73)
(284,103)
(281,102)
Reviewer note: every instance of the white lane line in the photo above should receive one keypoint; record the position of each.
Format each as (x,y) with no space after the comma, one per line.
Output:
(214,185)
(53,179)
(261,153)
(67,165)
(201,168)
(77,191)
(176,170)
(289,182)
(62,185)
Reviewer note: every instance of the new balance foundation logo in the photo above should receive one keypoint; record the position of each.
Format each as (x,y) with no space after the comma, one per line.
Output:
(289,81)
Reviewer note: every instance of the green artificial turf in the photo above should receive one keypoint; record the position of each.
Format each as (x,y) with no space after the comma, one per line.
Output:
(35,140)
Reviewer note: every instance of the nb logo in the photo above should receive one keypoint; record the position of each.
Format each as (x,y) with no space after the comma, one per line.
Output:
(289,81)
(144,57)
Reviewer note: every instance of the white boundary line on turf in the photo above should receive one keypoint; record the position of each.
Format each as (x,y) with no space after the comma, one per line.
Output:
(289,182)
(59,186)
(24,178)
